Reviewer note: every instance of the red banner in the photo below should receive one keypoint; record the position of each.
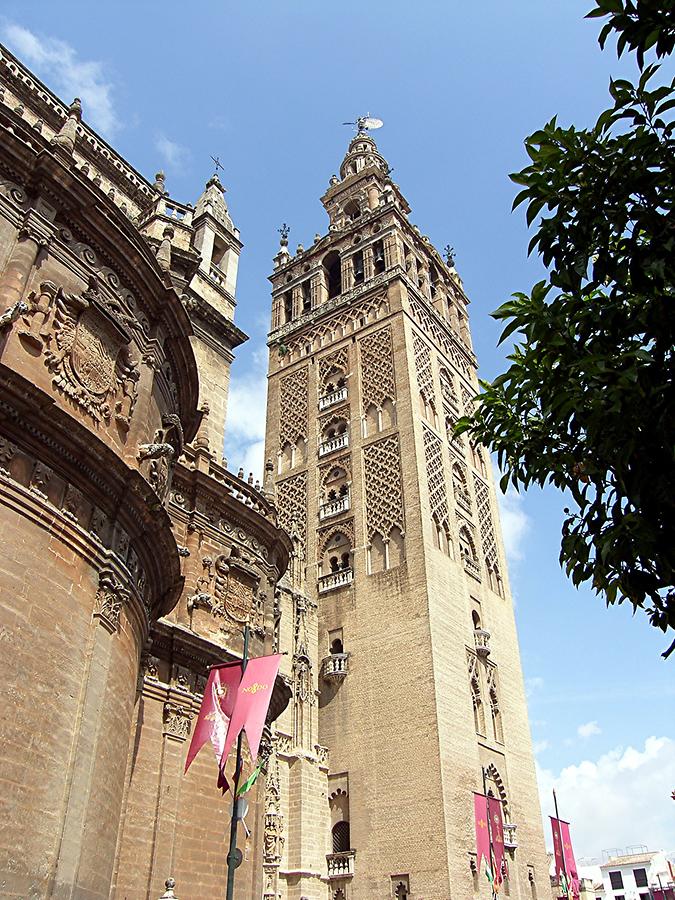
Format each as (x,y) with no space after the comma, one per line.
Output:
(252,702)
(570,862)
(215,712)
(557,847)
(480,816)
(497,835)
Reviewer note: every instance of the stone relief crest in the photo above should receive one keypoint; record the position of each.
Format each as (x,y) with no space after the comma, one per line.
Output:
(227,588)
(87,350)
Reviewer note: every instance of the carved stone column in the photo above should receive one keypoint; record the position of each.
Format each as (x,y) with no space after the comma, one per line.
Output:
(368,263)
(347,274)
(297,301)
(14,279)
(318,288)
(392,254)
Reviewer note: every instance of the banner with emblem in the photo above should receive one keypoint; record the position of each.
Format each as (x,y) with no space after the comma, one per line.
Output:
(497,836)
(215,714)
(251,703)
(480,818)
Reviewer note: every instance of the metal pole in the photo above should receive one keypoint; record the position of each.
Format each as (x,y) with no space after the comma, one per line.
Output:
(492,856)
(232,853)
(562,848)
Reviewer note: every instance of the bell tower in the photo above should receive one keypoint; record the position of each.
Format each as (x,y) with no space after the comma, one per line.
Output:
(413,659)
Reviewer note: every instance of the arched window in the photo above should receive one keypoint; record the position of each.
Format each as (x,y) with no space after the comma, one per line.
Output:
(341,838)
(306,295)
(475,618)
(337,646)
(459,486)
(377,554)
(333,268)
(288,307)
(467,552)
(378,257)
(337,554)
(359,271)
(352,210)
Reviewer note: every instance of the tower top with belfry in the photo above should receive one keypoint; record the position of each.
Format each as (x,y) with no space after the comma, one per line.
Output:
(370,243)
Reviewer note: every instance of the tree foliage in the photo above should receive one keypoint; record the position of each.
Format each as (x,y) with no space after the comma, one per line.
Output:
(588,401)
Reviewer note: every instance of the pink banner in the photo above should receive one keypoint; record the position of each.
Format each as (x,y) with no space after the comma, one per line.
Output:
(215,712)
(570,862)
(251,704)
(480,815)
(497,835)
(557,846)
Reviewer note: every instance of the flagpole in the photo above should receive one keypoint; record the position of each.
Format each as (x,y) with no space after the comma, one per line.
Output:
(492,856)
(232,853)
(562,846)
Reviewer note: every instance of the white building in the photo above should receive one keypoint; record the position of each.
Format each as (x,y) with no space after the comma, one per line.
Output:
(634,875)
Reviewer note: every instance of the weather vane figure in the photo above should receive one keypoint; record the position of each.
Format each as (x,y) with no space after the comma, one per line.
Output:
(366,123)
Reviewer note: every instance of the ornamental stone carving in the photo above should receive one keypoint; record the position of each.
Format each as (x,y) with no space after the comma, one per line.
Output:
(110,598)
(162,454)
(177,721)
(87,350)
(7,453)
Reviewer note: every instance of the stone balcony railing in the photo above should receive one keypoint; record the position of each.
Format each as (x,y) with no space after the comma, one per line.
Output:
(335,580)
(334,507)
(463,499)
(482,641)
(217,275)
(471,566)
(510,840)
(331,399)
(336,666)
(341,865)
(333,444)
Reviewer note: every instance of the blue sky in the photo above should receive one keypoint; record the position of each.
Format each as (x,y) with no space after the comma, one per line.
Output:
(265,86)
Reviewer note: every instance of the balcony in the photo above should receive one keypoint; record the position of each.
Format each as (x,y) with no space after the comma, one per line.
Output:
(471,566)
(341,865)
(217,275)
(335,580)
(333,444)
(334,507)
(482,640)
(510,841)
(463,499)
(336,667)
(332,399)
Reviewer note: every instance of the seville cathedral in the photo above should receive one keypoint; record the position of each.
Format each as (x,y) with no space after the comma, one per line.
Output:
(131,557)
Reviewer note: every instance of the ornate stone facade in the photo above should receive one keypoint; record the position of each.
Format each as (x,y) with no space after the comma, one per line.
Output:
(131,557)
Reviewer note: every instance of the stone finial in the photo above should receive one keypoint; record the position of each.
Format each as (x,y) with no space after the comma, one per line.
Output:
(240,474)
(268,482)
(160,183)
(201,442)
(284,231)
(168,894)
(64,141)
(449,256)
(164,249)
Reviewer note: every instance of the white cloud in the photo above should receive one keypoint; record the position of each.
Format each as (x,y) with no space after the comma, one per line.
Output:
(589,729)
(539,746)
(515,523)
(173,155)
(623,798)
(245,427)
(533,685)
(57,62)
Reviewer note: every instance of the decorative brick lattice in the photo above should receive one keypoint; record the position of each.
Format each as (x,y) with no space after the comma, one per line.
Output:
(291,496)
(433,456)
(425,378)
(384,490)
(377,368)
(348,319)
(293,407)
(487,531)
(332,364)
(437,331)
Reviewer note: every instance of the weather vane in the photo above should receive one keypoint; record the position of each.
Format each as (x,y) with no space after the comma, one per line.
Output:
(366,123)
(217,163)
